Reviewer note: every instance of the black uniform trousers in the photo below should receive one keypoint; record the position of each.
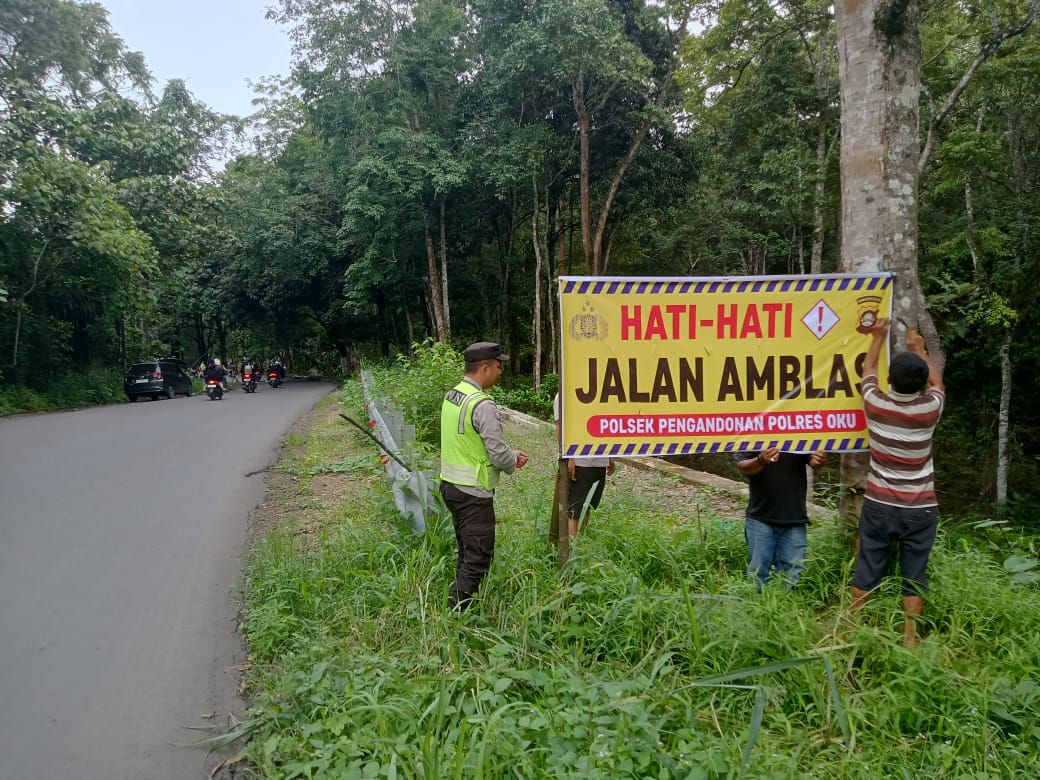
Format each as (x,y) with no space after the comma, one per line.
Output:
(474,519)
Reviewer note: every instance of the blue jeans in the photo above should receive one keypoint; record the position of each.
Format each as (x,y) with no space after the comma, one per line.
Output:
(779,546)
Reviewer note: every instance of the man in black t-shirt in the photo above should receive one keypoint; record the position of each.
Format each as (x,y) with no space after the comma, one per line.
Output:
(775,525)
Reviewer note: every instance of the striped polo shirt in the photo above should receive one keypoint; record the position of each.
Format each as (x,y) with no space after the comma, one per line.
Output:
(901,426)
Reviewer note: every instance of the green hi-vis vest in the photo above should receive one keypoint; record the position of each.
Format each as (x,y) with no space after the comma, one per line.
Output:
(464,458)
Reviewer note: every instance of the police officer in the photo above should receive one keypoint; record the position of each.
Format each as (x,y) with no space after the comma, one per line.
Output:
(473,453)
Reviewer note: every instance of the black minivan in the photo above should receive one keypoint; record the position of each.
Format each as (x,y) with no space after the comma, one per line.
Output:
(166,378)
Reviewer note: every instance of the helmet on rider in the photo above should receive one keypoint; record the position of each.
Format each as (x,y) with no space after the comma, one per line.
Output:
(216,362)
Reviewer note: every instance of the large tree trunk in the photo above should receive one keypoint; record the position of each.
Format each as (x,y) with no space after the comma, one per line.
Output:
(347,359)
(537,324)
(22,302)
(879,53)
(19,306)
(444,276)
(121,341)
(1019,186)
(593,240)
(551,310)
(585,174)
(823,83)
(978,273)
(1004,417)
(816,263)
(221,329)
(200,337)
(969,234)
(504,325)
(410,325)
(559,242)
(879,61)
(433,287)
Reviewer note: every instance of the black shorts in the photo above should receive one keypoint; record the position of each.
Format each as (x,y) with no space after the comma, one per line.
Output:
(587,486)
(913,529)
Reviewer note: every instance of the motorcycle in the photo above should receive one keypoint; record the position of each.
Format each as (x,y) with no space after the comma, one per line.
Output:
(214,390)
(249,381)
(273,378)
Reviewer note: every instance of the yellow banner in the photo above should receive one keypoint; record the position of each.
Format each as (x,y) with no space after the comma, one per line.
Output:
(672,366)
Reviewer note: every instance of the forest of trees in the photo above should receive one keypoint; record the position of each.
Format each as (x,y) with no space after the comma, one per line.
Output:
(431,166)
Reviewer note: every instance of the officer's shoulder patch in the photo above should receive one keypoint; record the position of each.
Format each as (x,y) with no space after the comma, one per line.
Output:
(455,397)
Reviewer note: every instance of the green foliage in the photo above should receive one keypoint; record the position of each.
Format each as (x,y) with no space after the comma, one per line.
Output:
(16,399)
(71,391)
(91,388)
(650,655)
(994,310)
(406,119)
(418,382)
(103,212)
(524,398)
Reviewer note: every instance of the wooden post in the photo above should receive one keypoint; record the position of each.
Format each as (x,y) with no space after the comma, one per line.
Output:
(559,533)
(559,525)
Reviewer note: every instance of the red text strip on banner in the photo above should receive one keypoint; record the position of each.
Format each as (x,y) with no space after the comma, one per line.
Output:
(674,366)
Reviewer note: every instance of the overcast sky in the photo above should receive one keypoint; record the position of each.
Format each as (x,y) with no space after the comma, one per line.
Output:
(213,45)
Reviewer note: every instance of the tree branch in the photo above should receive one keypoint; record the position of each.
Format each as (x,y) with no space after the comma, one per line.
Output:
(987,51)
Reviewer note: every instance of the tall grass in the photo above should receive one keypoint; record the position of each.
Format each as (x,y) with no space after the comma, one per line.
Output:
(649,655)
(74,390)
(415,385)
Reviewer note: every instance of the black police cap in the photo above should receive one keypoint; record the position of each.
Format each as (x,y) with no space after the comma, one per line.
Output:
(484,350)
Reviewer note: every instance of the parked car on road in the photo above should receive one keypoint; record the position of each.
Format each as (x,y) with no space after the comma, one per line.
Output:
(159,378)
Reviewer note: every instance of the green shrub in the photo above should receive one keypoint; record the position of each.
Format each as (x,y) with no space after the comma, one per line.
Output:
(519,393)
(524,399)
(16,399)
(417,384)
(89,388)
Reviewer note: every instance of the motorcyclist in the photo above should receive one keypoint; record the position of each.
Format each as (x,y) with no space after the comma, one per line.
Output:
(277,367)
(250,367)
(216,371)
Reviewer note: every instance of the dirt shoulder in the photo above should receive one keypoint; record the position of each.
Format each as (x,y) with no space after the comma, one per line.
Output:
(321,467)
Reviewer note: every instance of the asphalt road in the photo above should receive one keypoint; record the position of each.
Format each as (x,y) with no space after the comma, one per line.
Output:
(122,530)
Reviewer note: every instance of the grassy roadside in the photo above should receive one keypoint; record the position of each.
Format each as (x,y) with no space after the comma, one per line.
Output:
(80,391)
(72,391)
(649,655)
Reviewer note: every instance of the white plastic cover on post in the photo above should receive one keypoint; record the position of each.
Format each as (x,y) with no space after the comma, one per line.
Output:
(413,490)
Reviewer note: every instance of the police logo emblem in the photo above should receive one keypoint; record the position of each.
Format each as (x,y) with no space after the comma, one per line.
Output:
(588,325)
(868,312)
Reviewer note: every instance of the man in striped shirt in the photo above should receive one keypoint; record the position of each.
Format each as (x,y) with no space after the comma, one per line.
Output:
(899,502)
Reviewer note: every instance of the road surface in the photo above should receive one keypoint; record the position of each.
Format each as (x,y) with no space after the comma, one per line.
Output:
(122,530)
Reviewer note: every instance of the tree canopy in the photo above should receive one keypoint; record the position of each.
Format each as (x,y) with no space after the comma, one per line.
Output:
(431,166)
